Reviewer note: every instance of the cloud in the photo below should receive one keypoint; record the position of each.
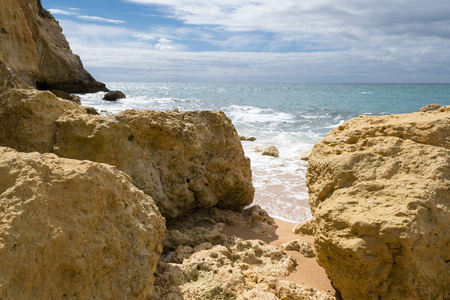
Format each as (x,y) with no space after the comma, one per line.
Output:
(117,54)
(167,45)
(100,19)
(329,23)
(55,11)
(273,41)
(75,12)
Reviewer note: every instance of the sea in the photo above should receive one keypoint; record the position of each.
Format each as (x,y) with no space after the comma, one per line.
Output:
(291,117)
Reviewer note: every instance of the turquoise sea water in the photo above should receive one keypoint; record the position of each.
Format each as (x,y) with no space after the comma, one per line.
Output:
(291,117)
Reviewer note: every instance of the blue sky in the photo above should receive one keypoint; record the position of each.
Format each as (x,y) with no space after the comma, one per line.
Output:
(259,40)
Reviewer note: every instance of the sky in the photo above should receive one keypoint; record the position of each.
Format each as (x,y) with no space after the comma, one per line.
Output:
(259,41)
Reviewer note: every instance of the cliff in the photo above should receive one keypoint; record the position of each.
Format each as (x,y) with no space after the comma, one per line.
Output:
(33,46)
(380,196)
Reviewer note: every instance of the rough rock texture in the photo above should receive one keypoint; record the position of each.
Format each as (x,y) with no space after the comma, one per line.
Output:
(297,245)
(201,262)
(114,95)
(267,150)
(8,80)
(380,195)
(182,159)
(33,46)
(67,96)
(27,119)
(74,230)
(305,227)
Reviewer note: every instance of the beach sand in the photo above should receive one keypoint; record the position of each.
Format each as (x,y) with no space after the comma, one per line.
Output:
(308,272)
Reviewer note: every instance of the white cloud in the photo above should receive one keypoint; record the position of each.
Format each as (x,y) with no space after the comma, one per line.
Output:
(340,41)
(167,45)
(116,54)
(330,23)
(55,11)
(100,19)
(75,12)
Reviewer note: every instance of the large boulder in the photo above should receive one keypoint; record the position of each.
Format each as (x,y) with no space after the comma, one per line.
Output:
(182,159)
(33,46)
(380,196)
(74,229)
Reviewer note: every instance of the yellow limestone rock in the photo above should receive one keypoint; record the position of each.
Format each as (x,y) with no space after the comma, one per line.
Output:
(380,196)
(74,230)
(27,119)
(183,160)
(200,261)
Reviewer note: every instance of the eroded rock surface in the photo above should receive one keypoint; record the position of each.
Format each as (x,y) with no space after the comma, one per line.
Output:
(201,262)
(267,150)
(27,119)
(74,229)
(183,160)
(33,46)
(302,247)
(380,195)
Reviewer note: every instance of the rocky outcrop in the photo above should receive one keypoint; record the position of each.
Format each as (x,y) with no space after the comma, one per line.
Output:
(380,196)
(33,46)
(74,229)
(113,96)
(202,262)
(182,159)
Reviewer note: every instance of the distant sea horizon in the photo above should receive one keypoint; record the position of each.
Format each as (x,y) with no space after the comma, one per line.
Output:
(289,116)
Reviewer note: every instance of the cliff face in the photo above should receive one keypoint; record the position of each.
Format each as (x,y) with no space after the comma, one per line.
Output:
(380,195)
(32,46)
(67,232)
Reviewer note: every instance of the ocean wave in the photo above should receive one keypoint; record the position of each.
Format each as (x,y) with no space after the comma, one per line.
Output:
(251,114)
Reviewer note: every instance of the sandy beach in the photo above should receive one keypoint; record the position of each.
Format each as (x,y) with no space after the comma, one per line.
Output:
(308,272)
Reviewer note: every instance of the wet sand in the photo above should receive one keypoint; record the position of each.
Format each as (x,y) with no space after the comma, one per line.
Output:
(308,272)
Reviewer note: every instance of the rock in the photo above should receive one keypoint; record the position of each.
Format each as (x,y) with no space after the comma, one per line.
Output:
(429,107)
(305,227)
(8,80)
(27,119)
(202,262)
(380,196)
(247,138)
(36,50)
(183,160)
(67,96)
(302,247)
(267,150)
(74,229)
(113,95)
